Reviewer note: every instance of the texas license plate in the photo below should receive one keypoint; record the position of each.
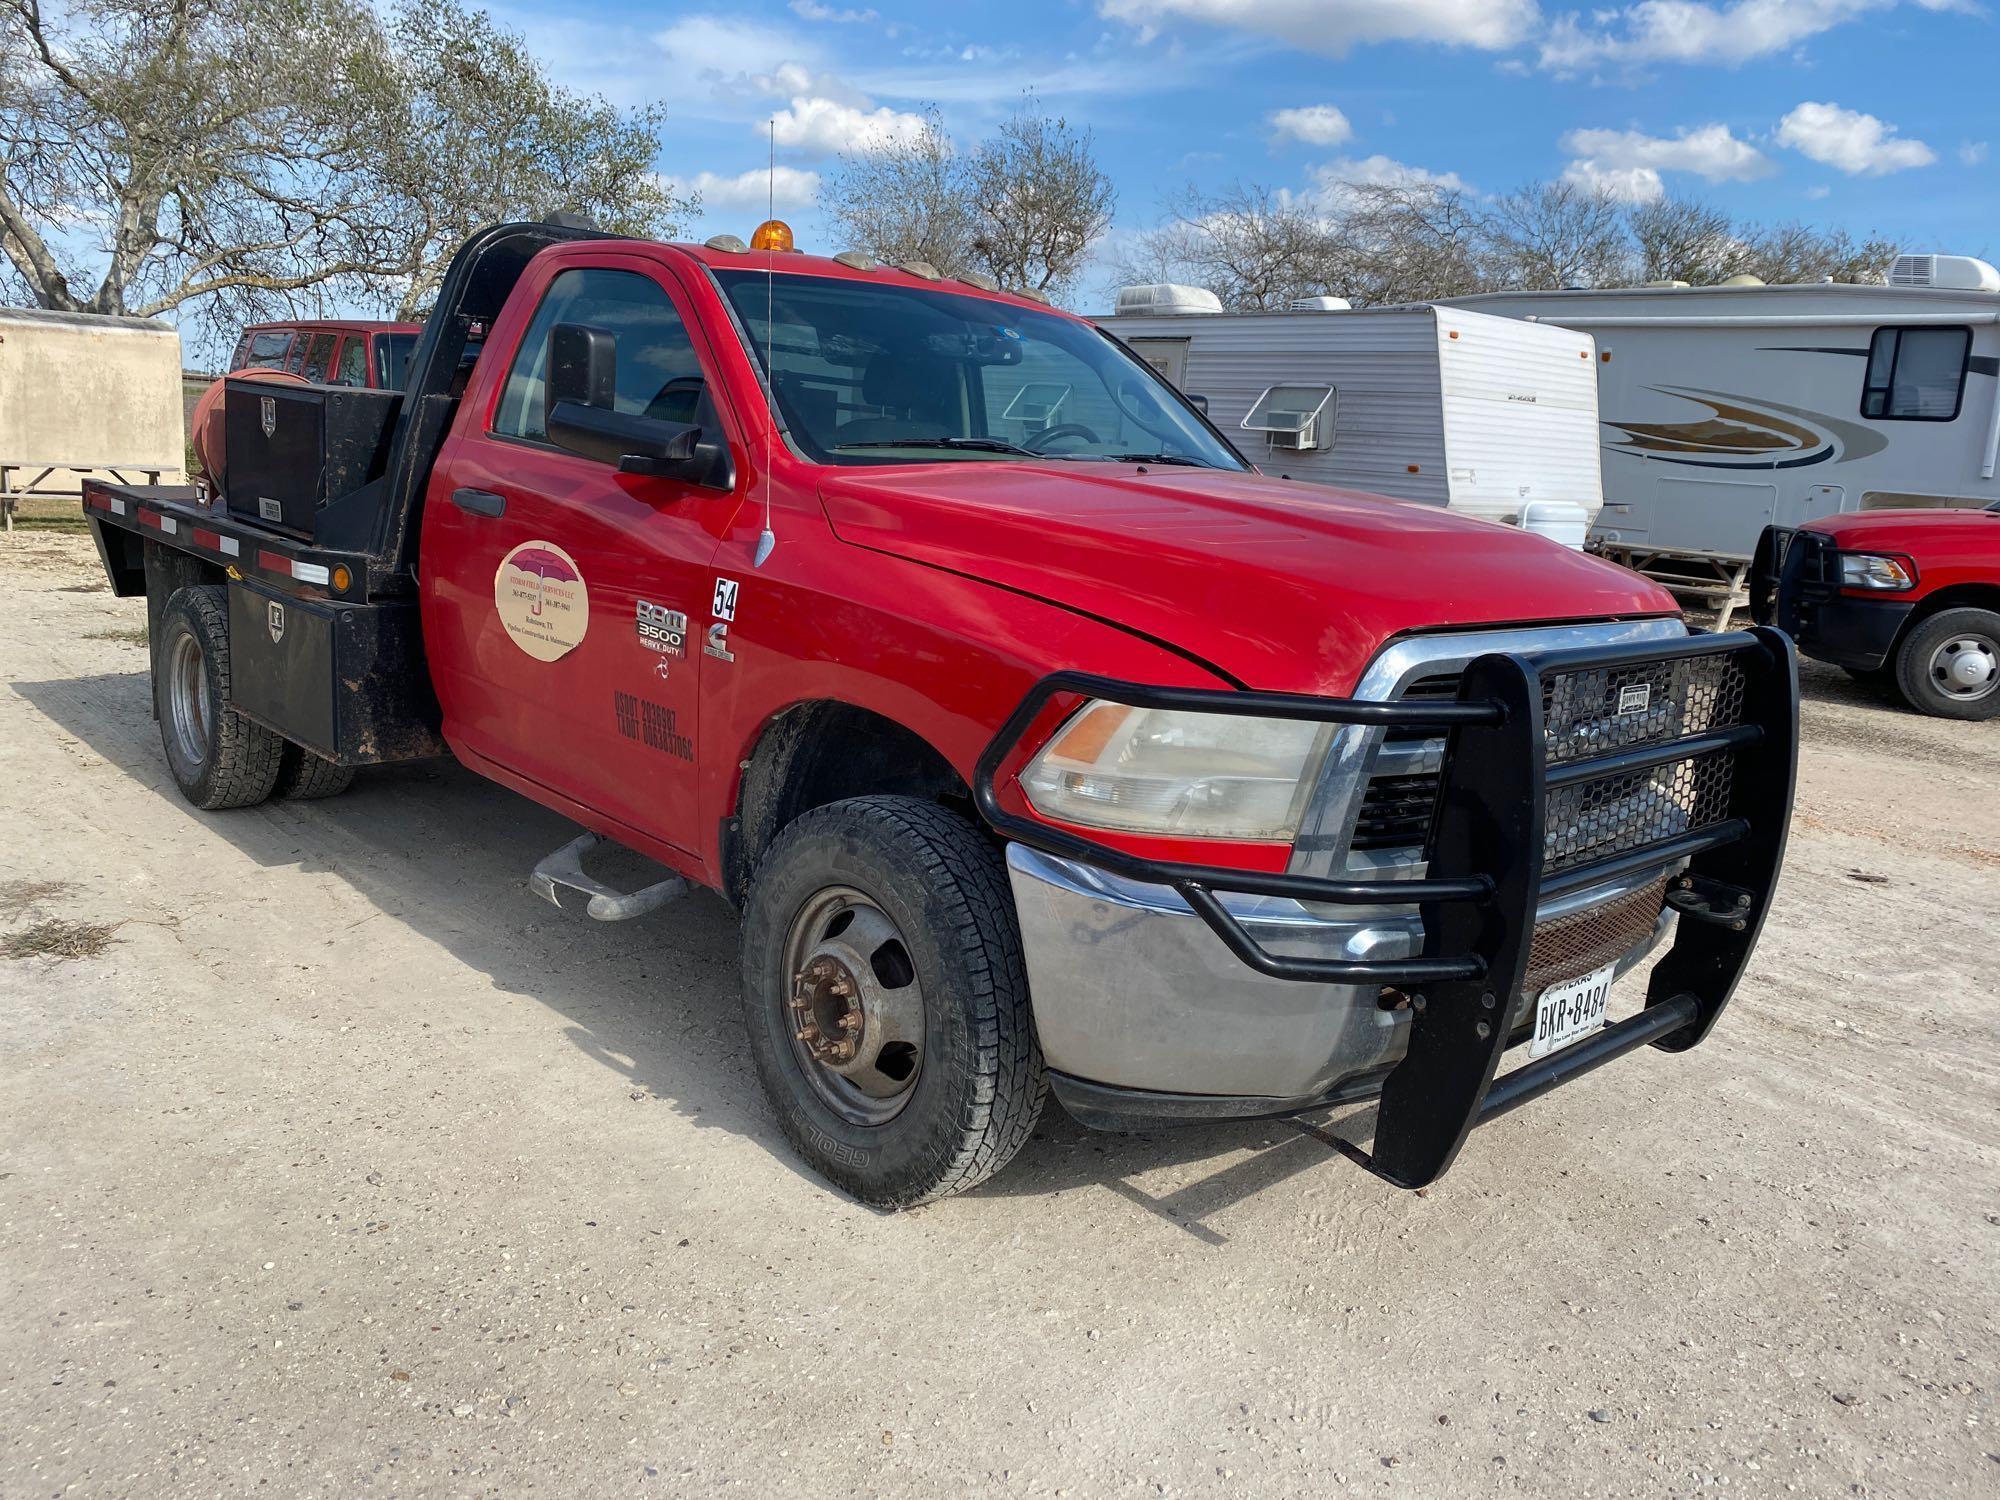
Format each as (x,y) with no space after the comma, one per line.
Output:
(1570,1010)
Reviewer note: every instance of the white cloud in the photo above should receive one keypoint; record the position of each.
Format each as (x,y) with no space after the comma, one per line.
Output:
(1626,164)
(1625,184)
(812,11)
(820,126)
(1818,191)
(749,192)
(1972,153)
(724,52)
(1857,144)
(1314,124)
(1693,31)
(1335,26)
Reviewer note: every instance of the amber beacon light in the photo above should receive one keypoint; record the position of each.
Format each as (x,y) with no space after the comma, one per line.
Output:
(772,234)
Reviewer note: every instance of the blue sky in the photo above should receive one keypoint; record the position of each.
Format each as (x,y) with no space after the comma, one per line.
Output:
(1870,114)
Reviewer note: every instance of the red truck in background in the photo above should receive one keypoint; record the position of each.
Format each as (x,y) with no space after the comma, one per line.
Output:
(330,351)
(1903,597)
(1075,757)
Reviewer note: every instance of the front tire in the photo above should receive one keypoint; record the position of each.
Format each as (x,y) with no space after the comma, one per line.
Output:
(217,757)
(886,1000)
(1949,664)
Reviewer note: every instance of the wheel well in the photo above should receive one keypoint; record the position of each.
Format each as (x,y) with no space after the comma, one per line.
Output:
(821,752)
(1958,596)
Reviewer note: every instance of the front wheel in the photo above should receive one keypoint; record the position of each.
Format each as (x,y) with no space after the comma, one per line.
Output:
(218,758)
(1949,664)
(886,1000)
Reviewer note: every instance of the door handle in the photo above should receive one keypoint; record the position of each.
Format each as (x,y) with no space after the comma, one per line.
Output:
(479,502)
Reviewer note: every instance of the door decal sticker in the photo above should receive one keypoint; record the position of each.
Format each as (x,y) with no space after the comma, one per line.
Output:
(540,597)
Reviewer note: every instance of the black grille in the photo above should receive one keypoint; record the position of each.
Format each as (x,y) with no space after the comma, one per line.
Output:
(1396,811)
(1590,713)
(1611,814)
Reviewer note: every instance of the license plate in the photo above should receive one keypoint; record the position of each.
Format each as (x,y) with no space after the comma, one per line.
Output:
(1570,1010)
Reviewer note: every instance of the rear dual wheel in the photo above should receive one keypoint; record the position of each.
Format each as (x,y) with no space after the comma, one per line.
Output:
(218,757)
(886,1000)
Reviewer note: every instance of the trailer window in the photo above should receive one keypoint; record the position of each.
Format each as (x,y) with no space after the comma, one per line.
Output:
(265,351)
(1916,374)
(658,374)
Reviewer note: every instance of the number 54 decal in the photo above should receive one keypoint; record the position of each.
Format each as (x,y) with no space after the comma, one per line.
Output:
(725,599)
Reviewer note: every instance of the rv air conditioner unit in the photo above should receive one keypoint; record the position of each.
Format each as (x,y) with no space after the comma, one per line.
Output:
(1956,273)
(1160,297)
(1321,304)
(1296,418)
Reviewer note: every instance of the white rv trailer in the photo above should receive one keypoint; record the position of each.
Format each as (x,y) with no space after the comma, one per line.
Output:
(1730,408)
(1484,415)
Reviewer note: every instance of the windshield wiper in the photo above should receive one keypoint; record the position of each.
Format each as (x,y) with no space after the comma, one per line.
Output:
(1158,458)
(962,444)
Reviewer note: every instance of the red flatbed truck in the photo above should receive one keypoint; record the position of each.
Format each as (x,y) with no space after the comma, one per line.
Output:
(1044,744)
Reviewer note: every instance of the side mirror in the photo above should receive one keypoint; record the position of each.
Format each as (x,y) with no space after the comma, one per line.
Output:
(636,444)
(583,367)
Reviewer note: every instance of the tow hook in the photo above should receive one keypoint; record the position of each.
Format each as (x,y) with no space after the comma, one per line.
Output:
(1712,901)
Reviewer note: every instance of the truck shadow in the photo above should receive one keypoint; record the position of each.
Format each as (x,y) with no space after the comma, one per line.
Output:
(447,853)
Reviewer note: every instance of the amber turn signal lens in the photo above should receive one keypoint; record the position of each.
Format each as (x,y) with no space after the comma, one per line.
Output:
(772,234)
(341,579)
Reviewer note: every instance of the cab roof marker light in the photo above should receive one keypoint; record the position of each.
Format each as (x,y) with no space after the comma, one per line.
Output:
(857,260)
(979,279)
(729,244)
(1030,293)
(922,268)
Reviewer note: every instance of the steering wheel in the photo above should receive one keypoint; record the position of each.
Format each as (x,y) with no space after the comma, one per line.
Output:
(1038,442)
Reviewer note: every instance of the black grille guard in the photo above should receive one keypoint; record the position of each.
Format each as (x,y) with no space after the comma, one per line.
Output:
(1486,877)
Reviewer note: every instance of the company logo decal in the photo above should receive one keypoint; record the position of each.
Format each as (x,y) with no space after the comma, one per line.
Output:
(267,413)
(540,597)
(1738,433)
(1635,698)
(717,644)
(274,618)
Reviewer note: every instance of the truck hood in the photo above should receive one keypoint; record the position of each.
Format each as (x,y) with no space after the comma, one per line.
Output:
(1284,586)
(1933,532)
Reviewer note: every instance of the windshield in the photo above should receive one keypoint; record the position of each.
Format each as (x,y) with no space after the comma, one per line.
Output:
(873,374)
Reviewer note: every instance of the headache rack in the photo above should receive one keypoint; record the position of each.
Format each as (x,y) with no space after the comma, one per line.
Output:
(1564,770)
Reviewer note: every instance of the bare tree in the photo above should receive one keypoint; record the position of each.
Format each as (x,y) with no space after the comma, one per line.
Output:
(1024,208)
(1254,248)
(242,154)
(1683,239)
(1040,200)
(908,201)
(1801,252)
(1557,234)
(1412,242)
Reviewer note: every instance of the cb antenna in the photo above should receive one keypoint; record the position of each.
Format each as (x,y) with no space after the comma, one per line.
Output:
(767,540)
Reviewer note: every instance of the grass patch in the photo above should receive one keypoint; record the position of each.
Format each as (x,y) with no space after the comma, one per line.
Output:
(17,897)
(131,635)
(59,938)
(49,513)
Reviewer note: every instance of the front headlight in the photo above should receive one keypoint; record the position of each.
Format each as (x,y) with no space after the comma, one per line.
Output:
(1192,775)
(1868,570)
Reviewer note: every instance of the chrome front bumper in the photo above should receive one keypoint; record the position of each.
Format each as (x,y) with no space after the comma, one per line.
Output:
(1133,991)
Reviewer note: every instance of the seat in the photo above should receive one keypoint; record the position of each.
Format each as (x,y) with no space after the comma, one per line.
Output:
(918,395)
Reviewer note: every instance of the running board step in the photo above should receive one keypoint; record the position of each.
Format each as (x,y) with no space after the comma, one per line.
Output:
(562,875)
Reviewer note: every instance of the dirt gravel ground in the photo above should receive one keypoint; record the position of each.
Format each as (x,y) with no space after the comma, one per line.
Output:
(348,1167)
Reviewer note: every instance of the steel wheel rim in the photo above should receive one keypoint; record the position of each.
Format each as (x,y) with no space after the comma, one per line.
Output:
(852,1006)
(1966,666)
(189,708)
